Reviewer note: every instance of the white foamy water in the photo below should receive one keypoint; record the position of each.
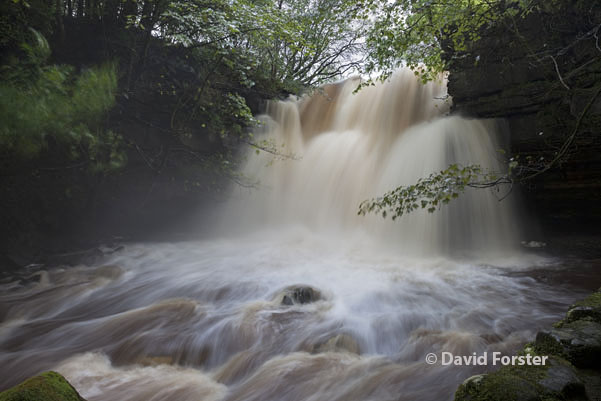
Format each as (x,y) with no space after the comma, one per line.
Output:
(205,320)
(208,320)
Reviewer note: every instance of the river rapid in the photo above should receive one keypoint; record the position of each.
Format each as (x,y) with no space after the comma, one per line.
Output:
(205,320)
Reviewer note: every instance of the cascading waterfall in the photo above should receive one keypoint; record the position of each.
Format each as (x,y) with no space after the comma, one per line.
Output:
(218,319)
(344,148)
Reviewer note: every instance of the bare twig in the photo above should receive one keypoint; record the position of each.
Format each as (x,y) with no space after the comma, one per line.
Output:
(147,159)
(77,165)
(566,145)
(558,73)
(596,36)
(270,150)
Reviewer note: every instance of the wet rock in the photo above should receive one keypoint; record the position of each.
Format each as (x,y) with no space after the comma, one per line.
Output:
(557,380)
(579,342)
(534,244)
(496,387)
(587,309)
(111,272)
(339,343)
(49,386)
(584,312)
(301,294)
(562,378)
(573,348)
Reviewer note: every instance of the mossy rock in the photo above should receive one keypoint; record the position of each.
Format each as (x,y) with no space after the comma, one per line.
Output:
(497,386)
(49,386)
(556,380)
(587,309)
(579,342)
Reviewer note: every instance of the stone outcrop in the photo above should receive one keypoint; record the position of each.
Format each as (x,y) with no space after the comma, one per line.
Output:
(579,342)
(557,380)
(540,73)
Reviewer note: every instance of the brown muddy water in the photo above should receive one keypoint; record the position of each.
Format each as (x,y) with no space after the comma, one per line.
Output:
(206,321)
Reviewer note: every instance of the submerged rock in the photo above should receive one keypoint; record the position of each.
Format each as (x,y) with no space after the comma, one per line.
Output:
(300,294)
(49,386)
(534,244)
(111,272)
(339,343)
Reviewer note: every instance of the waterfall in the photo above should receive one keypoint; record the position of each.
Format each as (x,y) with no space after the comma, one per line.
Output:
(345,147)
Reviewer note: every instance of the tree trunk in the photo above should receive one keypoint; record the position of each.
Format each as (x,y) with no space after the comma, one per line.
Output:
(80,6)
(60,28)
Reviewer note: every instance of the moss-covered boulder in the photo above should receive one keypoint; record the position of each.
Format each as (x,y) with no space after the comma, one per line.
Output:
(578,341)
(49,386)
(556,380)
(577,337)
(496,387)
(587,309)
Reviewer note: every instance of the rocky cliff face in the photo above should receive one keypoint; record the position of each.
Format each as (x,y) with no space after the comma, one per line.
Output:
(541,74)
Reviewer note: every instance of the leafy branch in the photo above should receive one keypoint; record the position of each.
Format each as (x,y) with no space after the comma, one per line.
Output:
(432,192)
(269,146)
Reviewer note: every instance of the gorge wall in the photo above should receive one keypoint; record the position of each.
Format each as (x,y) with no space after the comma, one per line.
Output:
(540,73)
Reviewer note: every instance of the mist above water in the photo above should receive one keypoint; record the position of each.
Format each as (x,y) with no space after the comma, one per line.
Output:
(208,320)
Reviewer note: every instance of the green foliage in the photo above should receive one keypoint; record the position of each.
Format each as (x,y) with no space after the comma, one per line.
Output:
(50,104)
(189,71)
(415,33)
(320,40)
(216,54)
(431,192)
(295,43)
(16,16)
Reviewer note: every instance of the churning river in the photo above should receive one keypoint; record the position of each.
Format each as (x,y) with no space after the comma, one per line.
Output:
(295,297)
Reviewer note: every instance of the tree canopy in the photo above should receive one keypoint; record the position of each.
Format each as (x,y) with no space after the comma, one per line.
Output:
(192,70)
(416,33)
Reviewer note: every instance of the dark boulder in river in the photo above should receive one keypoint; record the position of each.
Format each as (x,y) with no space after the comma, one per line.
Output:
(300,294)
